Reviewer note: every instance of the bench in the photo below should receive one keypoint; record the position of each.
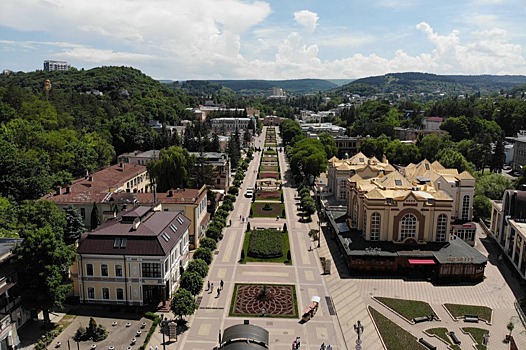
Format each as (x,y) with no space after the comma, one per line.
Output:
(427,344)
(422,319)
(454,338)
(471,318)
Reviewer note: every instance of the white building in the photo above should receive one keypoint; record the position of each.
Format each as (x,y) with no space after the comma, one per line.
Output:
(50,66)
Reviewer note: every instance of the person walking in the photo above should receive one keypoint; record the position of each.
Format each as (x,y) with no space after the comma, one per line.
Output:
(298,342)
(221,284)
(207,288)
(211,288)
(322,347)
(218,292)
(294,345)
(329,347)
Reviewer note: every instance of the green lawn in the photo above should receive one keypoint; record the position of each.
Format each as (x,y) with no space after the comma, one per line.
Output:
(394,336)
(407,308)
(441,333)
(478,335)
(281,260)
(458,311)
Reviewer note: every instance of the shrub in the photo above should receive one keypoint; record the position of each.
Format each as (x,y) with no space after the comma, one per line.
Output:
(221,212)
(227,205)
(231,197)
(265,244)
(289,257)
(267,206)
(192,282)
(251,214)
(248,226)
(208,243)
(285,227)
(204,254)
(282,198)
(242,254)
(96,332)
(233,190)
(283,213)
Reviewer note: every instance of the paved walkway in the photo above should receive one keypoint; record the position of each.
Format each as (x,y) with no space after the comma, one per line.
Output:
(350,296)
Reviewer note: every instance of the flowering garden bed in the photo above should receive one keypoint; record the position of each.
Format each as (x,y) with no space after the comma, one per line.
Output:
(268,195)
(269,175)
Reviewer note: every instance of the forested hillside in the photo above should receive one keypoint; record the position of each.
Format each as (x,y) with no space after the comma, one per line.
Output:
(79,123)
(432,83)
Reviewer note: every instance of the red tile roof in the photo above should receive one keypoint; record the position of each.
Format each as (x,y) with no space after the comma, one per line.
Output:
(96,187)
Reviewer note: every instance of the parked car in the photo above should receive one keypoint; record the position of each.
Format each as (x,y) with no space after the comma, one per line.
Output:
(249,193)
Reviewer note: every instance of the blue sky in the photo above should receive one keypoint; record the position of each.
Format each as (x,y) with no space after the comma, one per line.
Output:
(278,39)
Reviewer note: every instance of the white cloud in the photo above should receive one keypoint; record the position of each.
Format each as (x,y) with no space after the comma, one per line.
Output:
(92,55)
(307,19)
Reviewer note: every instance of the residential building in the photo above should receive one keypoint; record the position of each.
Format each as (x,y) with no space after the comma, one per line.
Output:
(339,172)
(519,150)
(220,163)
(508,227)
(50,66)
(171,129)
(347,145)
(191,202)
(227,126)
(272,120)
(135,259)
(98,188)
(12,315)
(432,123)
(312,130)
(138,157)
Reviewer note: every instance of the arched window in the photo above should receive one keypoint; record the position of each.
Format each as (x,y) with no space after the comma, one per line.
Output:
(343,189)
(91,293)
(441,227)
(465,208)
(375,226)
(408,226)
(354,220)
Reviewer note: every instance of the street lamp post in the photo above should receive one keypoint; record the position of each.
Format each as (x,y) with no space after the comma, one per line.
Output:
(358,328)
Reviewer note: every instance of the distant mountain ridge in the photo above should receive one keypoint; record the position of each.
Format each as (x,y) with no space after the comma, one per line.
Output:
(412,82)
(257,87)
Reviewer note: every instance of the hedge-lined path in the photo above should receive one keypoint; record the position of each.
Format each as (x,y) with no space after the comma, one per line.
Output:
(304,273)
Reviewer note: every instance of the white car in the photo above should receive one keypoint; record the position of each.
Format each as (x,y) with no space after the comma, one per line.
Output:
(249,193)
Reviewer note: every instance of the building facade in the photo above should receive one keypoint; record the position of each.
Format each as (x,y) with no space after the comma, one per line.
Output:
(228,126)
(51,66)
(347,145)
(136,259)
(508,227)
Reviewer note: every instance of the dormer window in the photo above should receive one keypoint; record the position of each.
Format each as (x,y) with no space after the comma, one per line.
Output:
(430,201)
(389,201)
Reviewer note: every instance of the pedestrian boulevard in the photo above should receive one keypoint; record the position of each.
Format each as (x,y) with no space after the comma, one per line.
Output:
(349,296)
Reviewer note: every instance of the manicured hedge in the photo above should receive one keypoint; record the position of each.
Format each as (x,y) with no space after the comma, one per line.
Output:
(265,244)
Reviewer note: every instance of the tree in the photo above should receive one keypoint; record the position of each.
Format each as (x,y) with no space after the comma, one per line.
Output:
(458,128)
(510,326)
(8,219)
(74,225)
(288,130)
(431,144)
(492,185)
(204,254)
(481,206)
(43,260)
(199,266)
(375,146)
(183,303)
(208,243)
(33,215)
(95,217)
(450,158)
(308,157)
(172,169)
(329,144)
(192,282)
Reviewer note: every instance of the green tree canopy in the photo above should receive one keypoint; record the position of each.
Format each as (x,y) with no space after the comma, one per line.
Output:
(183,303)
(192,281)
(308,156)
(44,260)
(431,144)
(288,130)
(492,185)
(74,227)
(451,158)
(203,254)
(328,144)
(172,170)
(199,266)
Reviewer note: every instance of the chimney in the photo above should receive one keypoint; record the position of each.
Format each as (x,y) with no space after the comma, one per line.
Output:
(121,165)
(68,189)
(136,223)
(58,191)
(90,178)
(170,193)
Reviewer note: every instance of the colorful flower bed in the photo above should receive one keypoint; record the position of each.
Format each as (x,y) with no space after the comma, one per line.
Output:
(247,301)
(271,210)
(269,175)
(269,195)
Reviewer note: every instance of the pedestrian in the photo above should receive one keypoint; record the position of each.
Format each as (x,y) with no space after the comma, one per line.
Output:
(151,347)
(277,218)
(298,342)
(207,288)
(211,288)
(240,217)
(229,222)
(218,292)
(329,347)
(322,347)
(156,348)
(221,284)
(294,345)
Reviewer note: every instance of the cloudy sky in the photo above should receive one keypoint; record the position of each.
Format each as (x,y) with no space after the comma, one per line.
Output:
(273,39)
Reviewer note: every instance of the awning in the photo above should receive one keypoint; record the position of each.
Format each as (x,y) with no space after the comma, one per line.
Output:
(421,262)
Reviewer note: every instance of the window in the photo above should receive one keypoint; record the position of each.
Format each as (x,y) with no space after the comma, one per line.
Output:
(89,269)
(465,208)
(105,293)
(120,294)
(343,189)
(408,226)
(91,293)
(151,270)
(118,270)
(83,213)
(354,220)
(375,226)
(364,225)
(104,270)
(441,227)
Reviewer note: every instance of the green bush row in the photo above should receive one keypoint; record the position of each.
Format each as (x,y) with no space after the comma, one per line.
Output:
(265,244)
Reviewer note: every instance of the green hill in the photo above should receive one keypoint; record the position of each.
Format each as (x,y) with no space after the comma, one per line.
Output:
(432,83)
